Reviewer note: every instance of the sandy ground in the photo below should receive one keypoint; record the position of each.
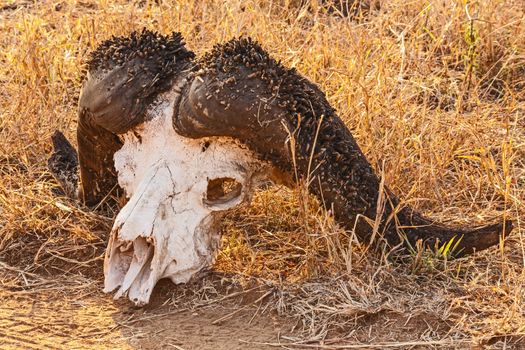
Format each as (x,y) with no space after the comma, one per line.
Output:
(79,316)
(72,312)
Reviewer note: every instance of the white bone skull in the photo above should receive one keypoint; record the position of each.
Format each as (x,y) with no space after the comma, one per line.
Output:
(169,226)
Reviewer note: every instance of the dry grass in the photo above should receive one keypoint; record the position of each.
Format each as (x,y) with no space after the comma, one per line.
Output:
(434,92)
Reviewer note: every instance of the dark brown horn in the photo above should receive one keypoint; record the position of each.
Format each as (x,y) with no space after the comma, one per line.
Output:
(125,76)
(63,164)
(242,92)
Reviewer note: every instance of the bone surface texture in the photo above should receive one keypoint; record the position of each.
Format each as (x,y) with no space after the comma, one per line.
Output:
(168,228)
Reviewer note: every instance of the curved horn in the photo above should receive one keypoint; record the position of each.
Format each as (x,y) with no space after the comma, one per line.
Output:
(242,92)
(125,75)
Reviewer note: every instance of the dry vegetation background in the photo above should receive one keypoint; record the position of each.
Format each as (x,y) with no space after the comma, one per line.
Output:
(433,91)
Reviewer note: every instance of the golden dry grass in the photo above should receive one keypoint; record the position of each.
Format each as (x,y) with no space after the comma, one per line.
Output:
(434,92)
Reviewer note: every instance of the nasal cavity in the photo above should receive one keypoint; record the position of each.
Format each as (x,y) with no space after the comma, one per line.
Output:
(222,190)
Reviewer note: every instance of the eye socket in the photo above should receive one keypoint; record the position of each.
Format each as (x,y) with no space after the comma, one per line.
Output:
(222,191)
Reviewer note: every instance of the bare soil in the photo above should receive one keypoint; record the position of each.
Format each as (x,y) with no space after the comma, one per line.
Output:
(68,317)
(72,312)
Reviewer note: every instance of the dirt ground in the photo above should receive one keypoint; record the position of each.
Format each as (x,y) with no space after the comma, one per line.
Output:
(73,313)
(62,317)
(79,316)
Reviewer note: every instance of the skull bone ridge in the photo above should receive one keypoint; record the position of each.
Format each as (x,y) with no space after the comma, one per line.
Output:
(169,228)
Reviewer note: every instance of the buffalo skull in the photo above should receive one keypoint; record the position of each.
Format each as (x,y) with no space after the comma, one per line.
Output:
(187,140)
(178,189)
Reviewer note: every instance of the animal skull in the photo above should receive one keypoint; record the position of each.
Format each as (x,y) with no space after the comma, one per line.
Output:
(175,116)
(169,228)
